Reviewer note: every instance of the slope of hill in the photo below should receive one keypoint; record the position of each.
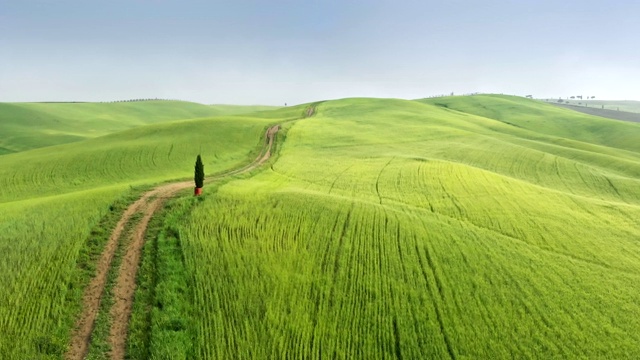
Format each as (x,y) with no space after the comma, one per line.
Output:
(544,118)
(51,198)
(240,109)
(25,126)
(146,154)
(399,229)
(477,227)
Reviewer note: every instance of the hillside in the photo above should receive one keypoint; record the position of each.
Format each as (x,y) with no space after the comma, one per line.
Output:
(530,115)
(25,126)
(399,229)
(52,198)
(240,109)
(458,227)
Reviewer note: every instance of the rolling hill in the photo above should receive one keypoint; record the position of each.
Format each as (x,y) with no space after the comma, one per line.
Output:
(53,197)
(25,126)
(480,227)
(458,227)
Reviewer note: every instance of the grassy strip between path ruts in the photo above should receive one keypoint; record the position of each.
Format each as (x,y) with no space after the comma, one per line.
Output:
(159,325)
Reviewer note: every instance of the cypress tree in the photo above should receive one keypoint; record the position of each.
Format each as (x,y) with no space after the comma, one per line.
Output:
(199,173)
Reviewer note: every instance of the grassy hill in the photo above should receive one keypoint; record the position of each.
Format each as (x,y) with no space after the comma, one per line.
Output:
(480,227)
(51,199)
(240,109)
(462,227)
(25,126)
(530,115)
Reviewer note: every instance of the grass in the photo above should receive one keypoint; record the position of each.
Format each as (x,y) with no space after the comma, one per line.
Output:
(527,115)
(462,227)
(25,126)
(159,321)
(41,241)
(149,154)
(491,227)
(239,109)
(162,310)
(32,125)
(52,198)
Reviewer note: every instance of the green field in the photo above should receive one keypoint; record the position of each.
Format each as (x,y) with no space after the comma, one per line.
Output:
(397,229)
(458,227)
(25,126)
(52,197)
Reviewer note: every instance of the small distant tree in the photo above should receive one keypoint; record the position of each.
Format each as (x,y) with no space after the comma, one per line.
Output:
(199,173)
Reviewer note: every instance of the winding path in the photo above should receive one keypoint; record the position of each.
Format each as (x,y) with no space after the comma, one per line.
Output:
(125,284)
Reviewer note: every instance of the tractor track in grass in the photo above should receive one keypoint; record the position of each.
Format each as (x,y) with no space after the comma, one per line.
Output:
(125,285)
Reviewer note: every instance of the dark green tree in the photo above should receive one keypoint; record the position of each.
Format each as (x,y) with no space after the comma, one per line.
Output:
(199,173)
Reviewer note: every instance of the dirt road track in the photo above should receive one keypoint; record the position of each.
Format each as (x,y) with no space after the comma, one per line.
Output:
(125,285)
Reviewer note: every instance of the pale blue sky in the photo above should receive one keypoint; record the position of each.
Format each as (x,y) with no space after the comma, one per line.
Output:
(272,52)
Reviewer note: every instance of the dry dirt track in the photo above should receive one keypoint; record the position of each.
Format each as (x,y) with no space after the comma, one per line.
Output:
(125,284)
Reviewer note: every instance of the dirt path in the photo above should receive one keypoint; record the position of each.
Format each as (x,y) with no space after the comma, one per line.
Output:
(125,285)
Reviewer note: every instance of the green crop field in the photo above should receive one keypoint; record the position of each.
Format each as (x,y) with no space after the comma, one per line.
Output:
(52,197)
(25,126)
(398,229)
(239,109)
(458,227)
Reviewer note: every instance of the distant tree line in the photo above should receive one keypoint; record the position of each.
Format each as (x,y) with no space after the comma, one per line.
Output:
(451,94)
(580,97)
(135,100)
(102,102)
(574,97)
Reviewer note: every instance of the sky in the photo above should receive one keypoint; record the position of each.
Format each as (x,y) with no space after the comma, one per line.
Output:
(275,52)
